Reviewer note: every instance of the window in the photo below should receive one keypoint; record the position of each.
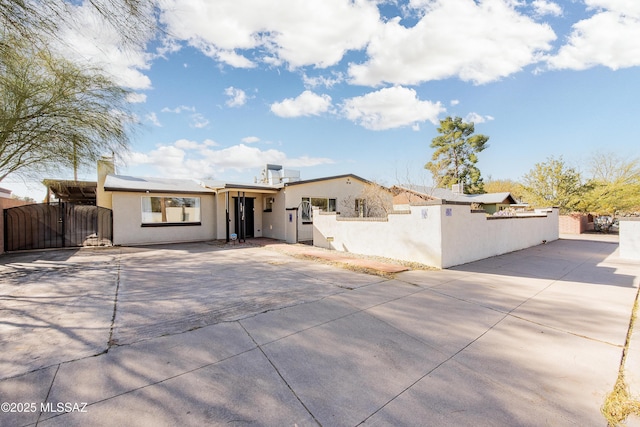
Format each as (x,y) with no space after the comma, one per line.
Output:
(361,208)
(323,203)
(268,204)
(170,211)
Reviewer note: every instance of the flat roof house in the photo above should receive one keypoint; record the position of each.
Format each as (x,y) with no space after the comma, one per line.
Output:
(158,210)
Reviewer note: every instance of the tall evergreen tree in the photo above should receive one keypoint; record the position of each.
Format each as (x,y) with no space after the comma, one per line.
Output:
(454,160)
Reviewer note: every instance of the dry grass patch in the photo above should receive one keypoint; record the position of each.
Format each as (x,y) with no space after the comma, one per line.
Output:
(619,404)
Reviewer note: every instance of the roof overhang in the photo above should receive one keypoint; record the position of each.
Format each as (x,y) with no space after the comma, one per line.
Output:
(229,188)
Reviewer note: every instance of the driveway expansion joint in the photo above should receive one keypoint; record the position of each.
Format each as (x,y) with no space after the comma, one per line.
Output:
(259,347)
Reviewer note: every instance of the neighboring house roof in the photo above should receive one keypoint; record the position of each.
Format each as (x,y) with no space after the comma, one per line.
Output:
(431,192)
(5,192)
(490,198)
(327,178)
(153,185)
(446,194)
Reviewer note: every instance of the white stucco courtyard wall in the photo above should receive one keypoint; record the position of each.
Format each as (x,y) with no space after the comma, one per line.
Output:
(439,235)
(630,238)
(469,236)
(413,236)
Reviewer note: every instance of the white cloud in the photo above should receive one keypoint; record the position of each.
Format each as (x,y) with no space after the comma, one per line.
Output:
(189,159)
(328,82)
(136,98)
(186,144)
(153,118)
(250,139)
(94,41)
(306,104)
(477,118)
(295,32)
(609,38)
(545,7)
(178,110)
(198,121)
(242,157)
(237,97)
(454,102)
(391,108)
(475,41)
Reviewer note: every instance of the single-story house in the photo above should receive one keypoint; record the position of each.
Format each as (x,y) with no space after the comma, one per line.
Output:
(158,210)
(409,194)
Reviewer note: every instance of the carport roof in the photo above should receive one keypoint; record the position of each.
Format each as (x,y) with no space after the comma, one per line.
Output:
(81,192)
(153,185)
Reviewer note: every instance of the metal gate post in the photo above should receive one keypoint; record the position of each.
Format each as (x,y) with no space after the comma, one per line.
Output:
(6,230)
(63,219)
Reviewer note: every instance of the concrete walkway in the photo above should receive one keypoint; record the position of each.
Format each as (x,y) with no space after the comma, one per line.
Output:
(203,334)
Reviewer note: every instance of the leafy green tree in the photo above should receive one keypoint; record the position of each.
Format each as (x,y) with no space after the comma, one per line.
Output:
(504,186)
(454,160)
(55,114)
(553,183)
(615,184)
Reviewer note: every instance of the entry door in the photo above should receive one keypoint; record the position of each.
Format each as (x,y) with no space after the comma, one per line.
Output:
(244,217)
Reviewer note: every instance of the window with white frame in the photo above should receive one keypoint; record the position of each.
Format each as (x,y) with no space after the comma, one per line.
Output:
(170,210)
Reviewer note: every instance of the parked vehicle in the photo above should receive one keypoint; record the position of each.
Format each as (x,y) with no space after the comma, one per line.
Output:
(604,223)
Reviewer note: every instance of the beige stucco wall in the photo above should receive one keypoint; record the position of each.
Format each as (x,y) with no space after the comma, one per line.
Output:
(438,235)
(105,167)
(273,222)
(127,221)
(630,238)
(345,190)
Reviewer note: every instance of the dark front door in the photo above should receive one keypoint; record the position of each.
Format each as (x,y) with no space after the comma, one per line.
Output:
(244,217)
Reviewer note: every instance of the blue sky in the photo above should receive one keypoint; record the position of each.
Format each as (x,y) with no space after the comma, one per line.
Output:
(358,86)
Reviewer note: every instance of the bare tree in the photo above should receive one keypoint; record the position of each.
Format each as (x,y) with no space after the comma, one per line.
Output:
(374,201)
(41,20)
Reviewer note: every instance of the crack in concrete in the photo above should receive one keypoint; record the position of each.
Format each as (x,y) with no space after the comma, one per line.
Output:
(110,342)
(46,399)
(259,347)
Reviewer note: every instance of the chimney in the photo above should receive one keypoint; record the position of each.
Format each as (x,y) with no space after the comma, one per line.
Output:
(457,188)
(106,166)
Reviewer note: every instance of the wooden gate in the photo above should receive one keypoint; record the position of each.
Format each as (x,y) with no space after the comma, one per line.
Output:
(44,226)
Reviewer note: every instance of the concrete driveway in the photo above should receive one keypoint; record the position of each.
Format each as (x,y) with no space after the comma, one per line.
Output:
(203,334)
